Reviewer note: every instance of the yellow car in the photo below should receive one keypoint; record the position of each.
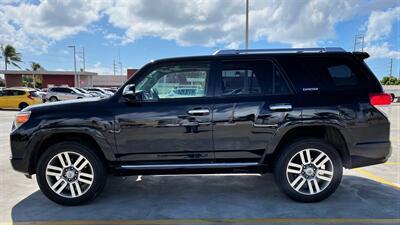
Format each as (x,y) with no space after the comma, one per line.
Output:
(19,98)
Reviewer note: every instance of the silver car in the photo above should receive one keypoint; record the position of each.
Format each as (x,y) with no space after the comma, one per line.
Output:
(64,93)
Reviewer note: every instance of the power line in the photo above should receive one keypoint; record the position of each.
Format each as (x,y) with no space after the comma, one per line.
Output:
(358,43)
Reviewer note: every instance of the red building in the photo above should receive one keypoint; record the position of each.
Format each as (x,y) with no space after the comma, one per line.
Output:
(131,72)
(44,79)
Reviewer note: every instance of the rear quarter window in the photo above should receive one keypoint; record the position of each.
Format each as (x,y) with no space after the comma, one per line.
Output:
(331,72)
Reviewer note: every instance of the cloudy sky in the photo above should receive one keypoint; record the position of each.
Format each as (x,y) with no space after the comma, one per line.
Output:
(137,31)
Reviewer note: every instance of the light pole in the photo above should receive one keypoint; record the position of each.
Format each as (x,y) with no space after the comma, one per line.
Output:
(76,78)
(247,25)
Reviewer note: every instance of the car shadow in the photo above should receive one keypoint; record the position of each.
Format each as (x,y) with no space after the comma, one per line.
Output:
(10,110)
(217,197)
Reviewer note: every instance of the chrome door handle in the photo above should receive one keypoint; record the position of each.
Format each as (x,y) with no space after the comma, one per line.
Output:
(199,112)
(281,107)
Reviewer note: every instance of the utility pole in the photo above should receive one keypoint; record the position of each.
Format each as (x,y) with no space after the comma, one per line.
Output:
(390,67)
(120,65)
(76,77)
(114,66)
(83,58)
(247,25)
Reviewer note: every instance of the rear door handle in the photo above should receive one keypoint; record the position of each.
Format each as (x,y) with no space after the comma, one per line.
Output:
(281,107)
(199,112)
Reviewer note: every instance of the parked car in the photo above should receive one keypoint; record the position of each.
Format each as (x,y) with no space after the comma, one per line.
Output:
(41,93)
(92,94)
(64,93)
(303,114)
(394,91)
(19,98)
(100,90)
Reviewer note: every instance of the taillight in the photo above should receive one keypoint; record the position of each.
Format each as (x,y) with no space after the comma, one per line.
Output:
(30,96)
(380,99)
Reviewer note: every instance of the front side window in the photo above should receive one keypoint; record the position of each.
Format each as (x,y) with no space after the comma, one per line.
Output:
(174,81)
(252,78)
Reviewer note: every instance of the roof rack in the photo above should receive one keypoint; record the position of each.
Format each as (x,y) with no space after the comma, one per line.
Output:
(277,50)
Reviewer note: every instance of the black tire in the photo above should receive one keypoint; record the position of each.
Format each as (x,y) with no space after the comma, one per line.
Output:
(289,151)
(99,172)
(23,105)
(53,99)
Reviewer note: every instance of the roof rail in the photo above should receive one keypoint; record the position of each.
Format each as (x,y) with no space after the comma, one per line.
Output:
(278,50)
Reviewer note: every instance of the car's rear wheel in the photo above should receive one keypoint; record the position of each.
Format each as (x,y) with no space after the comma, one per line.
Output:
(53,99)
(23,105)
(70,173)
(308,170)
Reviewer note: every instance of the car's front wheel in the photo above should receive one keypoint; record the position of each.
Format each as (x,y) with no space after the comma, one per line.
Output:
(308,170)
(70,173)
(53,99)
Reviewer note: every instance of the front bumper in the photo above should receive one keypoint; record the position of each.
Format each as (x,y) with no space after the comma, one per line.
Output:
(20,165)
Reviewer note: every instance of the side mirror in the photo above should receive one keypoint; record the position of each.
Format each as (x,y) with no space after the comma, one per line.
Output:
(129,93)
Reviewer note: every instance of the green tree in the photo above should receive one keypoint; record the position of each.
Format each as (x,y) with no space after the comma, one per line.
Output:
(36,66)
(11,56)
(390,80)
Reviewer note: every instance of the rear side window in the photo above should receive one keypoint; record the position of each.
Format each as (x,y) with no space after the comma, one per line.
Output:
(331,72)
(33,94)
(342,75)
(252,78)
(13,92)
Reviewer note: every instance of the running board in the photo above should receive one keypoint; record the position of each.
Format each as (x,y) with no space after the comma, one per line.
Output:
(190,166)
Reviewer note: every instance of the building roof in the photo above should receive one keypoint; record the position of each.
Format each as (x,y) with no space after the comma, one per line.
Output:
(45,72)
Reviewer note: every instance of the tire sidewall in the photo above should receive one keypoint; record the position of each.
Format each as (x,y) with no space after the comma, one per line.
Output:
(99,179)
(294,148)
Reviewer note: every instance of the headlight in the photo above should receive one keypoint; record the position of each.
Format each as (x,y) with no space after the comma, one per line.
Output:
(21,118)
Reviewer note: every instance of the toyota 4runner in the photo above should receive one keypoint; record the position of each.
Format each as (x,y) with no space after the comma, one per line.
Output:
(303,114)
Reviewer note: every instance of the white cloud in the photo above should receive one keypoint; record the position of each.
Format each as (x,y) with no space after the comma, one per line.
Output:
(379,28)
(212,23)
(382,51)
(99,68)
(380,24)
(35,26)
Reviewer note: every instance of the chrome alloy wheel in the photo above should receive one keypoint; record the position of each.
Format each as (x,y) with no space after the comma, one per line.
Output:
(69,174)
(309,171)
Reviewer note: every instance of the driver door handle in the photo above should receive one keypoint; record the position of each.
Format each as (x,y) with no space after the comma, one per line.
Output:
(199,112)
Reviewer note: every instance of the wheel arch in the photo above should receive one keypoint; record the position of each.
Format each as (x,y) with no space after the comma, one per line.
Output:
(61,136)
(329,133)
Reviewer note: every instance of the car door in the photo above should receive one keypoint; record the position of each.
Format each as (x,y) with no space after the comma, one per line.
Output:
(3,99)
(253,99)
(162,125)
(12,98)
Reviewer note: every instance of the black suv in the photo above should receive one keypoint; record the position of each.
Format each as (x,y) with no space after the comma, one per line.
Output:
(303,114)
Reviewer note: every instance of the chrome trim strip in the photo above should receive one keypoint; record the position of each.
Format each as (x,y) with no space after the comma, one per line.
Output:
(192,165)
(199,111)
(283,106)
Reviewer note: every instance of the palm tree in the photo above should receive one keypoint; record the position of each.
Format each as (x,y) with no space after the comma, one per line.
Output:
(11,56)
(36,66)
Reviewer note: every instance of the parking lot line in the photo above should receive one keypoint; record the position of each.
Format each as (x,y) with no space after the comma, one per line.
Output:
(377,178)
(392,163)
(214,221)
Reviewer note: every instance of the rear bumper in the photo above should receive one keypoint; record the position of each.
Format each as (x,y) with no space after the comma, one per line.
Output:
(371,153)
